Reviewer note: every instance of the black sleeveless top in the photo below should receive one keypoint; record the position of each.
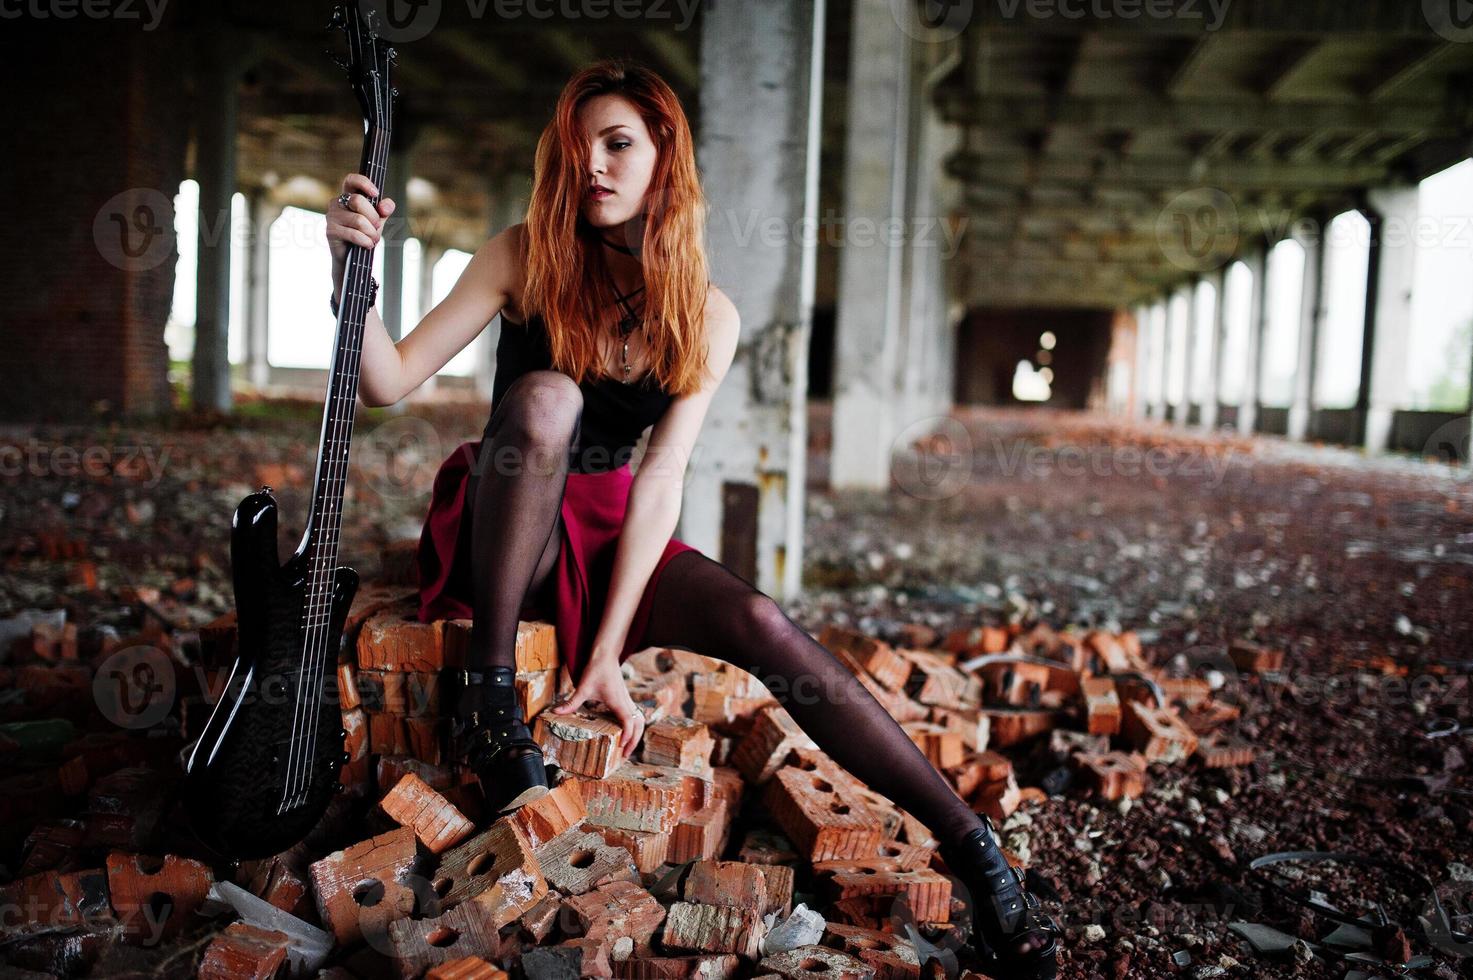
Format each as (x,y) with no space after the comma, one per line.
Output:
(615,414)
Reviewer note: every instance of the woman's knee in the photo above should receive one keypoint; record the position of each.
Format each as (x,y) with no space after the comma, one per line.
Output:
(542,413)
(760,618)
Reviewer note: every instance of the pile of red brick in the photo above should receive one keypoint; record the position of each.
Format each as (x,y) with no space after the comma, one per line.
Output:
(619,870)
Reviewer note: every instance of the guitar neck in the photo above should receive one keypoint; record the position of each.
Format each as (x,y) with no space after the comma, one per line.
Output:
(324,521)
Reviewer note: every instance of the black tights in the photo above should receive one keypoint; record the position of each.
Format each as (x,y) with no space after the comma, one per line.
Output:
(699,605)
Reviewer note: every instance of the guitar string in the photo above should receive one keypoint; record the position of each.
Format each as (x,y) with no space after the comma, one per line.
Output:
(325,555)
(317,609)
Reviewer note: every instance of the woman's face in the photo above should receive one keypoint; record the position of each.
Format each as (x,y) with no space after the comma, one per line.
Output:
(621,157)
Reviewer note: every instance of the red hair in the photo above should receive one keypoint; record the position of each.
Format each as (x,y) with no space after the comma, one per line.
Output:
(567,281)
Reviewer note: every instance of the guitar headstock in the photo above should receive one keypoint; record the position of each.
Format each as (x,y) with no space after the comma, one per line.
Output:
(367,63)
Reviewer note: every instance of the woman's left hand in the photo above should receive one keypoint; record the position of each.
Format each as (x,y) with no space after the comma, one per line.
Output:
(603,681)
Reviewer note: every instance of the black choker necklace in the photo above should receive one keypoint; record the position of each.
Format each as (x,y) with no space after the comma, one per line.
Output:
(617,247)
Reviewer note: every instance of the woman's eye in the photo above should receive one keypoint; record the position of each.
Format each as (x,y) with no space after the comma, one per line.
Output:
(619,144)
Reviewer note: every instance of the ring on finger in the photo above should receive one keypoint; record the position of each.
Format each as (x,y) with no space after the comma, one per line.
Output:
(346,199)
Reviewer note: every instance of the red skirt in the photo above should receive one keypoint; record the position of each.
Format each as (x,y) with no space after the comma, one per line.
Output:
(593,515)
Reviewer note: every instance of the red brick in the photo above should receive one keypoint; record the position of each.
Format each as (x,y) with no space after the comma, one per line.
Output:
(362,888)
(683,743)
(394,639)
(244,952)
(714,929)
(1158,733)
(155,897)
(1101,705)
(615,909)
(1115,775)
(818,819)
(434,820)
(495,869)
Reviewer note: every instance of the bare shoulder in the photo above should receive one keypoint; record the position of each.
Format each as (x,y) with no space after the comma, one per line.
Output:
(501,263)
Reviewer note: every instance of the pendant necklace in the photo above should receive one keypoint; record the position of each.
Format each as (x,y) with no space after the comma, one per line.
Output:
(630,319)
(627,324)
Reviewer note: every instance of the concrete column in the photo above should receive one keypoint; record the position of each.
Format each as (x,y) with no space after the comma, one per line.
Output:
(1257,262)
(396,232)
(927,394)
(1138,407)
(1164,369)
(1389,281)
(219,67)
(868,323)
(743,503)
(1189,346)
(1218,331)
(1311,316)
(263,212)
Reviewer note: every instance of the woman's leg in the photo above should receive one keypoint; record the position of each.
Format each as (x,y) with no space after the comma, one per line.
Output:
(702,606)
(514,498)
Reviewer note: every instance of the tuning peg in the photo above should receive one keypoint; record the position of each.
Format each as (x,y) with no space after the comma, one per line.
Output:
(393,93)
(393,56)
(338,17)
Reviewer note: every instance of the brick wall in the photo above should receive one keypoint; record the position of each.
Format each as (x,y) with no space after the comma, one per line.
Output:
(85,287)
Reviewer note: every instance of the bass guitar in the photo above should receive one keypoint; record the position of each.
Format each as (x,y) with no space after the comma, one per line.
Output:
(268,761)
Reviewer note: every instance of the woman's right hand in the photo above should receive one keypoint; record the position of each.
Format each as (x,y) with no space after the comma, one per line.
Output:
(603,681)
(359,224)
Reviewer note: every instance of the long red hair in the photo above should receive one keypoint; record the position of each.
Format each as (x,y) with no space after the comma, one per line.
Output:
(567,282)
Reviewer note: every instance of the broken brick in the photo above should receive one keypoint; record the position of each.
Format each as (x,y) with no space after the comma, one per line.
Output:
(155,897)
(580,860)
(615,909)
(551,814)
(362,888)
(816,818)
(466,968)
(889,955)
(467,930)
(579,742)
(435,821)
(1101,705)
(765,746)
(882,662)
(639,796)
(495,869)
(1219,751)
(648,851)
(244,952)
(714,929)
(1158,733)
(394,639)
(821,961)
(1115,775)
(683,743)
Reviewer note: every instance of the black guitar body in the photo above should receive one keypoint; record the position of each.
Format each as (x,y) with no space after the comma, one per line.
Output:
(252,790)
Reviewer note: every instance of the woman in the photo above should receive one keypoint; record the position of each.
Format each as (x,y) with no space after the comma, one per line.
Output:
(610,325)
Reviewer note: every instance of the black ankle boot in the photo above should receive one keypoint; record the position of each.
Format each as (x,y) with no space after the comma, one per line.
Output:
(492,738)
(1005,918)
